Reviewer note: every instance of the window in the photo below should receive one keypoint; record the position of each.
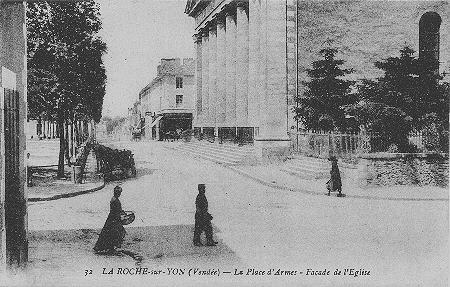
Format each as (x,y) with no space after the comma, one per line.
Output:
(179,81)
(179,100)
(429,25)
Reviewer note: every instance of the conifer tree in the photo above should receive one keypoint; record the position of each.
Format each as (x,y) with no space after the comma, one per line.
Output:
(321,106)
(407,97)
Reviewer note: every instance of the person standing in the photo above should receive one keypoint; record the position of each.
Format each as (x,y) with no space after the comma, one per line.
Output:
(335,183)
(113,232)
(29,172)
(202,219)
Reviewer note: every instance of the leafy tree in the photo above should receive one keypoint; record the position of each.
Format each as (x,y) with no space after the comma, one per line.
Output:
(66,73)
(321,106)
(113,123)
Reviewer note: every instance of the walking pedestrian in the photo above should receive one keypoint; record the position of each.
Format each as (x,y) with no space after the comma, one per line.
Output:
(202,219)
(335,183)
(113,232)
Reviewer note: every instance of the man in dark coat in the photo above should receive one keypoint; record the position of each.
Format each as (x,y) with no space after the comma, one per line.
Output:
(202,219)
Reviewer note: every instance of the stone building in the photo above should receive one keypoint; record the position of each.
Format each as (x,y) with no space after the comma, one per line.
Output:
(13,99)
(251,56)
(167,102)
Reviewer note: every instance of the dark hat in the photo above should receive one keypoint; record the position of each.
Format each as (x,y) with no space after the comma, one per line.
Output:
(117,189)
(201,185)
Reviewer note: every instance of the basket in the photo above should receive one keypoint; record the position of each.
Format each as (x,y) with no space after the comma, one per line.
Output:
(127,217)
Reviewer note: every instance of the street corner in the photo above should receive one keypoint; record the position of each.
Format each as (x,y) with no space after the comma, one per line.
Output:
(166,244)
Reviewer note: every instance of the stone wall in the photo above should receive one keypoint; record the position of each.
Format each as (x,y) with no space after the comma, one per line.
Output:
(367,31)
(363,32)
(403,169)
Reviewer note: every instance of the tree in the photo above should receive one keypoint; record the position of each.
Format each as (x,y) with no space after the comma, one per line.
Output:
(407,97)
(66,74)
(113,123)
(321,106)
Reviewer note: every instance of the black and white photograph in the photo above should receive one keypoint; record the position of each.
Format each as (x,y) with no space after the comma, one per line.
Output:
(224,143)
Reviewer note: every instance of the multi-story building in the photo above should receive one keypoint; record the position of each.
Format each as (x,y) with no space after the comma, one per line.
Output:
(252,55)
(168,101)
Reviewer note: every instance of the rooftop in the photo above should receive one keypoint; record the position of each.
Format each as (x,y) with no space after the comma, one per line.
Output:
(171,67)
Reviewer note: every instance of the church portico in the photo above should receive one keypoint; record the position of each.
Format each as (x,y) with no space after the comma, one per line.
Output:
(244,88)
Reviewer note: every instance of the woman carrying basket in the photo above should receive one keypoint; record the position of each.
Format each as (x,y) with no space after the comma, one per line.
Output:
(113,233)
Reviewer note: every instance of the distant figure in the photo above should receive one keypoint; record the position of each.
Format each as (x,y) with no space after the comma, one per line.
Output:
(113,233)
(334,184)
(29,172)
(202,219)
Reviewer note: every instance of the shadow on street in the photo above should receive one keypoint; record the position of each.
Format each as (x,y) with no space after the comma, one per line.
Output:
(143,246)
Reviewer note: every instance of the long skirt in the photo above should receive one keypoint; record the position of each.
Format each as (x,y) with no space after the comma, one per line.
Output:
(111,236)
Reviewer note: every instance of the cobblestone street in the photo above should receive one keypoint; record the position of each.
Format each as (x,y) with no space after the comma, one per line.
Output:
(401,243)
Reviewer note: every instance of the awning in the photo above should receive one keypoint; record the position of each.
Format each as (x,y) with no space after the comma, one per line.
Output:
(154,123)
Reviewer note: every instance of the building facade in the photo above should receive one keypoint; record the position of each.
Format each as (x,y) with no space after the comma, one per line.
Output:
(13,99)
(252,55)
(242,70)
(167,102)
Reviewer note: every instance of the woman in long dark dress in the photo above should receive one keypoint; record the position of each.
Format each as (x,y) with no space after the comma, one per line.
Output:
(112,234)
(335,183)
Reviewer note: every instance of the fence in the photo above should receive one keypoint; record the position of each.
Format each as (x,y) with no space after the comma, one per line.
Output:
(350,145)
(430,140)
(323,144)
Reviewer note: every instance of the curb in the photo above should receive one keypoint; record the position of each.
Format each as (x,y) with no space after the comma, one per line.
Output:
(67,195)
(44,166)
(273,185)
(285,188)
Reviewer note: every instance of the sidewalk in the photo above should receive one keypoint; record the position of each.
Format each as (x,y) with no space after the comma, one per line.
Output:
(271,175)
(47,187)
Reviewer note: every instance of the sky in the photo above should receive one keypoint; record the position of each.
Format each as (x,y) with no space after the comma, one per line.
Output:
(138,34)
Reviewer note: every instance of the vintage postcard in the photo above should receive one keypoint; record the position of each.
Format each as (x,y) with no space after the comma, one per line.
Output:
(224,143)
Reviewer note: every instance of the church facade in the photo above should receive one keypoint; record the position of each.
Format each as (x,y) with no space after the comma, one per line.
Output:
(252,56)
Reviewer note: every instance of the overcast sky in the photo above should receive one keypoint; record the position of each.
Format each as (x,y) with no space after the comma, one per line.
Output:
(138,34)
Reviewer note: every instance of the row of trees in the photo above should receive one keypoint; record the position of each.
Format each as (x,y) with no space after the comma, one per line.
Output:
(113,123)
(409,96)
(66,75)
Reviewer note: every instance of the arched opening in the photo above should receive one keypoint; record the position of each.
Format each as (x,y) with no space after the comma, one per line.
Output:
(429,26)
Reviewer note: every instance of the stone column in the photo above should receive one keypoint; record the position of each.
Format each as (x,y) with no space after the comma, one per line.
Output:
(198,77)
(220,71)
(212,74)
(254,63)
(262,61)
(230,56)
(205,76)
(273,139)
(242,64)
